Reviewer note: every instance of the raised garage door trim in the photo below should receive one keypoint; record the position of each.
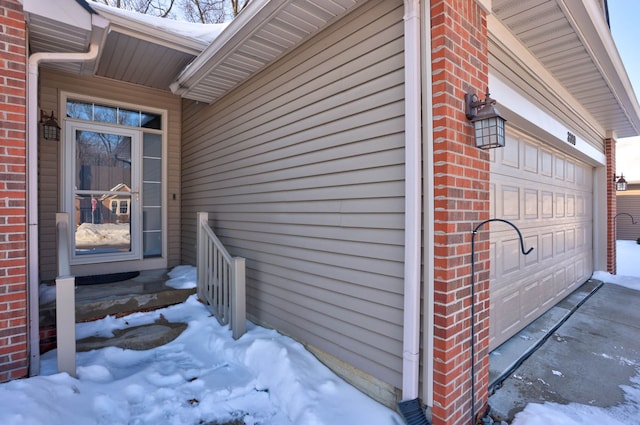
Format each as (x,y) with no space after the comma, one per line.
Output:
(549,196)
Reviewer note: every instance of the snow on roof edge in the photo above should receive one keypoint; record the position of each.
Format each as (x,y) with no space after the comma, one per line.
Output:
(204,33)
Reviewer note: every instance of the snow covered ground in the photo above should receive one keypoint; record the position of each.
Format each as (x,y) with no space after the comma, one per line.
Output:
(205,377)
(202,377)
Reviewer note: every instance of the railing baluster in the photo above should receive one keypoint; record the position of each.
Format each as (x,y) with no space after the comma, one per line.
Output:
(221,279)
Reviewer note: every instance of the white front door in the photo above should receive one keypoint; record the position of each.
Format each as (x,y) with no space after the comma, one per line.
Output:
(103,180)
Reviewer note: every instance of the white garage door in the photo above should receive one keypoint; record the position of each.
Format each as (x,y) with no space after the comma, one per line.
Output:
(549,196)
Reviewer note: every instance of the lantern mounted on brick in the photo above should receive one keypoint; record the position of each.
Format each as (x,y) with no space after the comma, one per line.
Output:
(50,127)
(487,122)
(621,183)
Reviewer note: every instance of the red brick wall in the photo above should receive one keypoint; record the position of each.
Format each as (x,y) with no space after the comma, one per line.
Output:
(610,153)
(460,65)
(13,230)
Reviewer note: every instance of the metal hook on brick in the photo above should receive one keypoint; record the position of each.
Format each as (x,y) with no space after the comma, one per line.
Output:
(473,303)
(633,220)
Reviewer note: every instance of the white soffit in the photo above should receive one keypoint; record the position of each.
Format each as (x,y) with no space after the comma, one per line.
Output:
(260,34)
(572,41)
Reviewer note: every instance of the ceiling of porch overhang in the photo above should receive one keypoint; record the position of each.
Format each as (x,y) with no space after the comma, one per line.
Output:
(133,48)
(264,31)
(572,41)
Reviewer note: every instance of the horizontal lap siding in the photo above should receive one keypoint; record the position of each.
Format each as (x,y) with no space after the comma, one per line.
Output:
(628,203)
(302,172)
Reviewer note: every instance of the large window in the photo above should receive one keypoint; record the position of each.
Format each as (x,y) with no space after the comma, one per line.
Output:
(147,193)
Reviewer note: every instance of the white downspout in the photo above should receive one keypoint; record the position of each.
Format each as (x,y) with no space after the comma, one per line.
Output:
(413,197)
(32,190)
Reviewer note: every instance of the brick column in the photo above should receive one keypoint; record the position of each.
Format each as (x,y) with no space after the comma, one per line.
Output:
(13,213)
(610,153)
(460,65)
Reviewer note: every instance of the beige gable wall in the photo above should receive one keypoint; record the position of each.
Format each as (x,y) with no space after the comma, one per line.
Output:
(302,172)
(51,84)
(628,202)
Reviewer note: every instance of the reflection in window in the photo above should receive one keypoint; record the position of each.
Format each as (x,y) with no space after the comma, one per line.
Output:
(89,111)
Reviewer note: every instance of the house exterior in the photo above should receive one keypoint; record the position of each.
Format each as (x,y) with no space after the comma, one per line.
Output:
(328,142)
(628,213)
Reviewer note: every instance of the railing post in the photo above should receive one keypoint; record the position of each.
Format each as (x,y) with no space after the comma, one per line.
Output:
(65,301)
(201,260)
(66,324)
(238,299)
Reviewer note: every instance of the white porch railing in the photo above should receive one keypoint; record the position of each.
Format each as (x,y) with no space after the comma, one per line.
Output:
(221,279)
(65,300)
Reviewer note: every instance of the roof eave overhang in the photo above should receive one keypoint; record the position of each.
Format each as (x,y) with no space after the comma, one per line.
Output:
(263,32)
(566,48)
(597,38)
(243,26)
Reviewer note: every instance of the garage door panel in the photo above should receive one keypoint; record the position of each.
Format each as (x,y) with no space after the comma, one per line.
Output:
(511,156)
(547,289)
(531,154)
(530,299)
(531,204)
(546,160)
(532,259)
(509,256)
(548,195)
(510,201)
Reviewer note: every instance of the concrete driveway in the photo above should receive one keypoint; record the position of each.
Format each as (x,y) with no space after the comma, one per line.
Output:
(586,360)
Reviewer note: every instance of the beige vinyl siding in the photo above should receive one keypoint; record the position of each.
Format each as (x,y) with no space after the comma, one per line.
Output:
(302,172)
(628,202)
(51,84)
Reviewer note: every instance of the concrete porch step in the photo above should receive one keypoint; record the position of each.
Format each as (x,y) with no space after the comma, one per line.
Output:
(145,292)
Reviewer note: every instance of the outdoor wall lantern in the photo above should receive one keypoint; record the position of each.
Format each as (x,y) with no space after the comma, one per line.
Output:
(621,183)
(487,121)
(50,127)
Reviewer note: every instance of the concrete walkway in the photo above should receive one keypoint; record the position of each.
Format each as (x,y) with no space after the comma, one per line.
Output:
(585,360)
(145,292)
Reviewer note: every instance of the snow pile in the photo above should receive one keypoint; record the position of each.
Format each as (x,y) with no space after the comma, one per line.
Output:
(182,277)
(203,376)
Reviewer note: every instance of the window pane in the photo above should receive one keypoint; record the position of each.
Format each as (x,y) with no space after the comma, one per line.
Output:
(152,244)
(103,161)
(151,218)
(150,120)
(151,194)
(79,110)
(152,170)
(128,117)
(152,145)
(98,229)
(102,113)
